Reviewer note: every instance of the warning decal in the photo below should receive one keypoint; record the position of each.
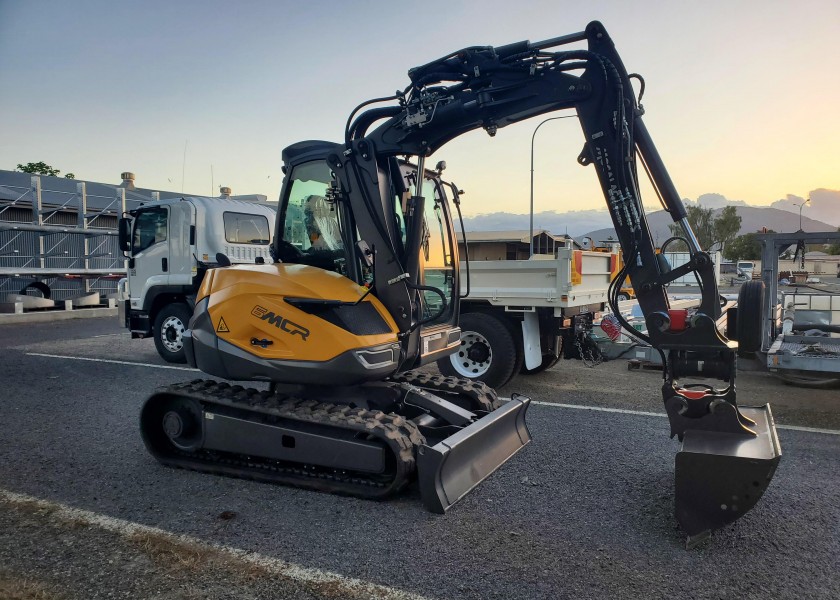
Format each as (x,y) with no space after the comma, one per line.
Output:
(222,328)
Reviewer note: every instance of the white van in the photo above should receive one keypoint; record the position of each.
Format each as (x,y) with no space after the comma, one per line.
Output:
(745,268)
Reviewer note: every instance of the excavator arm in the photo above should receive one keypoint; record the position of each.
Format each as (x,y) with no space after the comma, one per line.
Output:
(729,453)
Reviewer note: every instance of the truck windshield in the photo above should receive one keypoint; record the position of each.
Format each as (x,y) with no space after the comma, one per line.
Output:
(241,228)
(149,229)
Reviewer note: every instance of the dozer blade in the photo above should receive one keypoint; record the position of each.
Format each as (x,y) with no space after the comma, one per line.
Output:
(447,471)
(721,476)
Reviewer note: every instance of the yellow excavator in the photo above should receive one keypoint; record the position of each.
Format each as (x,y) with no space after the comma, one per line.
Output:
(364,288)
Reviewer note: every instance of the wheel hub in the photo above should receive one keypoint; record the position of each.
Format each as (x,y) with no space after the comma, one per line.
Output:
(181,423)
(172,331)
(173,426)
(479,352)
(474,356)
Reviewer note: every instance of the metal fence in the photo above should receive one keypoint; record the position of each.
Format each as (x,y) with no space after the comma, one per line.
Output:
(67,241)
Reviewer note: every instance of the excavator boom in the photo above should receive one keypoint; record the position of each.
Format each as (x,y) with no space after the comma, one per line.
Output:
(729,454)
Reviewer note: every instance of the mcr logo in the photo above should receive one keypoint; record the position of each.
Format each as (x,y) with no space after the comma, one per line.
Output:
(279,322)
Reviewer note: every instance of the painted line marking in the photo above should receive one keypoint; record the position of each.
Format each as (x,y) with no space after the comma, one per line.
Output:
(109,335)
(643,413)
(623,411)
(350,586)
(116,362)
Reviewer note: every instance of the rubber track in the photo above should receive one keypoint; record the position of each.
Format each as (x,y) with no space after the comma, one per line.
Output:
(481,396)
(397,434)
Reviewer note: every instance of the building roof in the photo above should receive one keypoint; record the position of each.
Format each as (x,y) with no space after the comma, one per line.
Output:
(514,235)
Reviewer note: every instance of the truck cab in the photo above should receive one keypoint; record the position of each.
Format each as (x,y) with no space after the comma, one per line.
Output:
(170,245)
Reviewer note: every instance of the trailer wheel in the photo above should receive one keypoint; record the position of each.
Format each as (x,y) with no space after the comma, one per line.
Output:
(170,324)
(750,316)
(487,352)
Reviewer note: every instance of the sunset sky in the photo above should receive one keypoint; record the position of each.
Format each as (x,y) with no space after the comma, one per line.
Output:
(742,96)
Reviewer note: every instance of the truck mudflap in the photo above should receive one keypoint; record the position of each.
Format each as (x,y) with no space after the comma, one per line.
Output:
(720,476)
(450,469)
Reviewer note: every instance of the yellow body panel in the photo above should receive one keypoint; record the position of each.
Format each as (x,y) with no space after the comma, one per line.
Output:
(248,302)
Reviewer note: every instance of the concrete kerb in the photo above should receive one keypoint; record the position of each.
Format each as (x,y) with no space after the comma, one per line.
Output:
(56,315)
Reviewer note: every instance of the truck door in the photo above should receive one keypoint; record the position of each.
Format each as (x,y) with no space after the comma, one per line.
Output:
(149,265)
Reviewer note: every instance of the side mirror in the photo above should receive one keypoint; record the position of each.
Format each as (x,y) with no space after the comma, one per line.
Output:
(124,234)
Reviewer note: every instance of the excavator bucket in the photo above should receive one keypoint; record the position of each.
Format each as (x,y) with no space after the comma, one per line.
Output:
(447,471)
(721,476)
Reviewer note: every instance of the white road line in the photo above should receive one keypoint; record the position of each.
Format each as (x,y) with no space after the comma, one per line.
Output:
(643,413)
(601,409)
(116,362)
(348,586)
(623,411)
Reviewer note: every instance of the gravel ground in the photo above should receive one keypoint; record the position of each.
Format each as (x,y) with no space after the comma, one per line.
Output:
(584,511)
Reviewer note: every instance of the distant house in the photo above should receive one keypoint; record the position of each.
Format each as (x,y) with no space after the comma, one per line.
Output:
(513,245)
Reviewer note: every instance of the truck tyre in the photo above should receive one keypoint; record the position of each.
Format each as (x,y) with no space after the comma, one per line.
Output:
(623,296)
(548,361)
(515,328)
(487,352)
(170,324)
(750,316)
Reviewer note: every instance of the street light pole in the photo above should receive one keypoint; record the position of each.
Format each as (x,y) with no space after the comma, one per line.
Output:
(531,230)
(801,206)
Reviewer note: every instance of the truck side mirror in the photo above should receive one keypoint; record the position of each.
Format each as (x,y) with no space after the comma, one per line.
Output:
(124,234)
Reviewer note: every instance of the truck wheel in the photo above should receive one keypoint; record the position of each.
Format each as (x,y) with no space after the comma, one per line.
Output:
(487,352)
(515,328)
(623,296)
(170,324)
(548,361)
(750,316)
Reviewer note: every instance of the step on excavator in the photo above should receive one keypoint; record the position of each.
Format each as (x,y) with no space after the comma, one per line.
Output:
(364,288)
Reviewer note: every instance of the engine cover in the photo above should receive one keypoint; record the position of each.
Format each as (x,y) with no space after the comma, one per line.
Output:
(290,324)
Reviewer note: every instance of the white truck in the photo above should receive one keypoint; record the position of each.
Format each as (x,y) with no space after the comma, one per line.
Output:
(170,245)
(522,316)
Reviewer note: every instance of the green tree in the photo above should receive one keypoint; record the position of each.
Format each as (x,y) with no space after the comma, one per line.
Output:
(702,224)
(708,229)
(726,226)
(744,247)
(42,168)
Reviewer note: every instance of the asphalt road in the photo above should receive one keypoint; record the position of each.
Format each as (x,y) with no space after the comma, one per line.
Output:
(585,511)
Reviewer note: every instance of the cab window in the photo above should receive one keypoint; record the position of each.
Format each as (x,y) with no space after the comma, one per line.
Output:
(311,221)
(241,228)
(149,228)
(436,258)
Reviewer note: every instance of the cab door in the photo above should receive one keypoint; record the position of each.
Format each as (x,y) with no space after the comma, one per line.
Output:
(439,270)
(149,257)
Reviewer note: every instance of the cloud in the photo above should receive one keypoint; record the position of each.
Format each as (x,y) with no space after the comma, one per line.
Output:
(718,201)
(824,205)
